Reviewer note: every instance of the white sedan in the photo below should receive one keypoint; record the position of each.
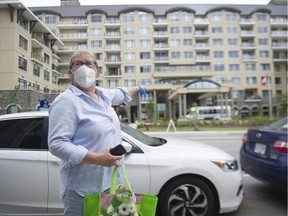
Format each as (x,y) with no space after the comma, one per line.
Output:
(189,178)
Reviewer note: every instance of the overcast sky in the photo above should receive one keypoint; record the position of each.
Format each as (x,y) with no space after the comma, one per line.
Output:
(32,3)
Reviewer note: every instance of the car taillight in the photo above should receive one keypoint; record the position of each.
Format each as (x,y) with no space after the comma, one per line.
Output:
(245,138)
(281,146)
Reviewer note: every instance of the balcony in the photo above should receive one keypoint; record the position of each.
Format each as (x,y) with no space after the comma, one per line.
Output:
(160,34)
(113,60)
(112,35)
(112,48)
(247,58)
(279,34)
(37,41)
(246,22)
(279,22)
(79,37)
(70,49)
(160,22)
(248,46)
(73,24)
(161,46)
(201,34)
(161,59)
(37,58)
(201,22)
(113,73)
(247,34)
(202,46)
(279,45)
(203,59)
(112,22)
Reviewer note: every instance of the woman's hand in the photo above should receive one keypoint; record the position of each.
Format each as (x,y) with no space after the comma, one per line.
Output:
(103,158)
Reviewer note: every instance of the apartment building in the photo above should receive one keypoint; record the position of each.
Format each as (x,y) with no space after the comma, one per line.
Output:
(183,54)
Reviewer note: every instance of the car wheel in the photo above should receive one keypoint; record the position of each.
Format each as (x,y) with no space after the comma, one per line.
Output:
(187,196)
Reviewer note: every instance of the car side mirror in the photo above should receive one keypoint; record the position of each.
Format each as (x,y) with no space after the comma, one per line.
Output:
(127,146)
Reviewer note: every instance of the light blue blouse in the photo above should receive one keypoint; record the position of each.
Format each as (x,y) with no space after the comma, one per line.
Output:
(77,123)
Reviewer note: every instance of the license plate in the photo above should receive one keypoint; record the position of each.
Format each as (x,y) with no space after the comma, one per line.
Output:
(260,148)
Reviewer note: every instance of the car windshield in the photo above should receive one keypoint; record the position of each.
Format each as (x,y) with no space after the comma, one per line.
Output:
(145,139)
(280,125)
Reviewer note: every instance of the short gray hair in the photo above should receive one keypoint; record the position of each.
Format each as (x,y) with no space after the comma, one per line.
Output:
(81,52)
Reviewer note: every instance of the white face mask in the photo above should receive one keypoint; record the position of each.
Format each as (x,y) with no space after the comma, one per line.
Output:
(85,76)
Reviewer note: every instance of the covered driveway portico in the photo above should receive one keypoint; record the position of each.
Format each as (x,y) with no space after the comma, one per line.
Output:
(202,90)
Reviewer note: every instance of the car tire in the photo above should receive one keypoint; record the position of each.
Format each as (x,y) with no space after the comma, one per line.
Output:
(187,196)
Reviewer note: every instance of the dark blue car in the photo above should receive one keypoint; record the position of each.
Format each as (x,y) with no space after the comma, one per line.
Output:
(264,154)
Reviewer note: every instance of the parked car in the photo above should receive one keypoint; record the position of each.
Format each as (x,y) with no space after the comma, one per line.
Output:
(264,151)
(189,178)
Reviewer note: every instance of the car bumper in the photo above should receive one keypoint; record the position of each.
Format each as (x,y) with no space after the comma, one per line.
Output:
(232,194)
(263,170)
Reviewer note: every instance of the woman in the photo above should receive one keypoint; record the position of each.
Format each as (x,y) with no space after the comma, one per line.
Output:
(83,127)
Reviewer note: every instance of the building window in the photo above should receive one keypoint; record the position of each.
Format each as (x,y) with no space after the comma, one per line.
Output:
(145,81)
(232,29)
(234,67)
(96,18)
(36,87)
(218,54)
(143,17)
(233,54)
(46,75)
(186,17)
(188,54)
(145,68)
(112,83)
(250,67)
(236,80)
(96,43)
(264,53)
(217,41)
(175,30)
(232,41)
(99,83)
(22,63)
(36,70)
(54,78)
(96,31)
(277,67)
(46,59)
(129,55)
(216,16)
(129,69)
(50,19)
(129,43)
(219,67)
(23,23)
(174,16)
(187,42)
(265,67)
(175,42)
(261,17)
(262,29)
(129,82)
(217,29)
(23,42)
(176,55)
(129,30)
(128,17)
(231,16)
(46,90)
(145,55)
(99,56)
(187,29)
(144,43)
(251,80)
(144,30)
(263,41)
(22,84)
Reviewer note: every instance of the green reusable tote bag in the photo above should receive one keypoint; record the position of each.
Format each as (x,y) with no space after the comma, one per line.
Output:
(120,201)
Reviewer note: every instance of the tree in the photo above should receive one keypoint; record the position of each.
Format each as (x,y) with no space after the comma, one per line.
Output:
(149,107)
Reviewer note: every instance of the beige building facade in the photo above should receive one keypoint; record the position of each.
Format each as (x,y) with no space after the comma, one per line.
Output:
(183,54)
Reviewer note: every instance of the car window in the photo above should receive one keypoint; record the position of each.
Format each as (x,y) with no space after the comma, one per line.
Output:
(22,134)
(145,139)
(280,125)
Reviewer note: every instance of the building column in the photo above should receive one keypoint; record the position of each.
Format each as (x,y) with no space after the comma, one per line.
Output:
(185,105)
(180,106)
(155,103)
